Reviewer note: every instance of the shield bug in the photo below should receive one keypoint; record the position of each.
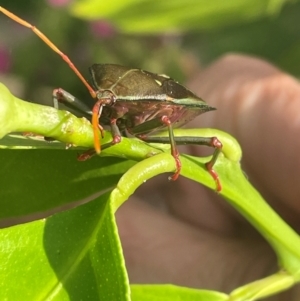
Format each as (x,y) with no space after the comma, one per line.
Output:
(134,101)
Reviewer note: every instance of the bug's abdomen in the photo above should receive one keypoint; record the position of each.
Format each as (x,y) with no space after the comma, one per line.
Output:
(133,113)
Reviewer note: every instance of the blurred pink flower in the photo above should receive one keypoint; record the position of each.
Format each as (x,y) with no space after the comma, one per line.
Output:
(5,61)
(102,29)
(58,3)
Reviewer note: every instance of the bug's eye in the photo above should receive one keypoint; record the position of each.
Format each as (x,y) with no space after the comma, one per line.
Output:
(174,89)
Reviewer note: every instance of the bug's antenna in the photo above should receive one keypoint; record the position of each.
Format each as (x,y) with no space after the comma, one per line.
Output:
(51,45)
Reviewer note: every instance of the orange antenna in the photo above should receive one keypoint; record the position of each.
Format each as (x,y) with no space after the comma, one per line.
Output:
(51,45)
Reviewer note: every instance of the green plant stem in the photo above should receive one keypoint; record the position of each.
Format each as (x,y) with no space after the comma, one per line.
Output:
(263,288)
(21,116)
(139,174)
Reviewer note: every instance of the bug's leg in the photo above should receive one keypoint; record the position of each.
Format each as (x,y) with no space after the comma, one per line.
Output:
(115,132)
(208,141)
(96,113)
(104,99)
(174,150)
(140,129)
(70,101)
(116,139)
(217,144)
(61,96)
(86,155)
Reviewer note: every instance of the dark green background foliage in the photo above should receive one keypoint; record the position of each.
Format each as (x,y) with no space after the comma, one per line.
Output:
(171,37)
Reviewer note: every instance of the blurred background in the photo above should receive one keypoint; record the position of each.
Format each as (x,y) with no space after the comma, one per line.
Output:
(174,37)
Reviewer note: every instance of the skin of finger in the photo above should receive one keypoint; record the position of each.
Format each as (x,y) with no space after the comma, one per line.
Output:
(259,105)
(192,203)
(159,248)
(147,242)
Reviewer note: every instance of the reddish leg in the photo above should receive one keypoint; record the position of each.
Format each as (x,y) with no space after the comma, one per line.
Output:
(116,139)
(96,113)
(115,132)
(208,141)
(216,143)
(141,132)
(174,151)
(86,155)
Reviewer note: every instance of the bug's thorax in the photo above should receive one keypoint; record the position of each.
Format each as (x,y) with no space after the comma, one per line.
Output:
(107,97)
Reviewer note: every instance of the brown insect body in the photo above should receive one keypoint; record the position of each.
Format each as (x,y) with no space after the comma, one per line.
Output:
(140,96)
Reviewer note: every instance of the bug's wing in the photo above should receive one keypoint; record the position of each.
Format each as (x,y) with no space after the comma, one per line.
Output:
(104,76)
(136,84)
(127,83)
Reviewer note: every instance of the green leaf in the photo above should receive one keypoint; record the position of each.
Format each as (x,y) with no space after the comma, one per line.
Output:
(173,293)
(73,255)
(34,181)
(148,16)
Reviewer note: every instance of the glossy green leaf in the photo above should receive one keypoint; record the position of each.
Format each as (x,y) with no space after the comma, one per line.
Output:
(148,16)
(42,180)
(73,255)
